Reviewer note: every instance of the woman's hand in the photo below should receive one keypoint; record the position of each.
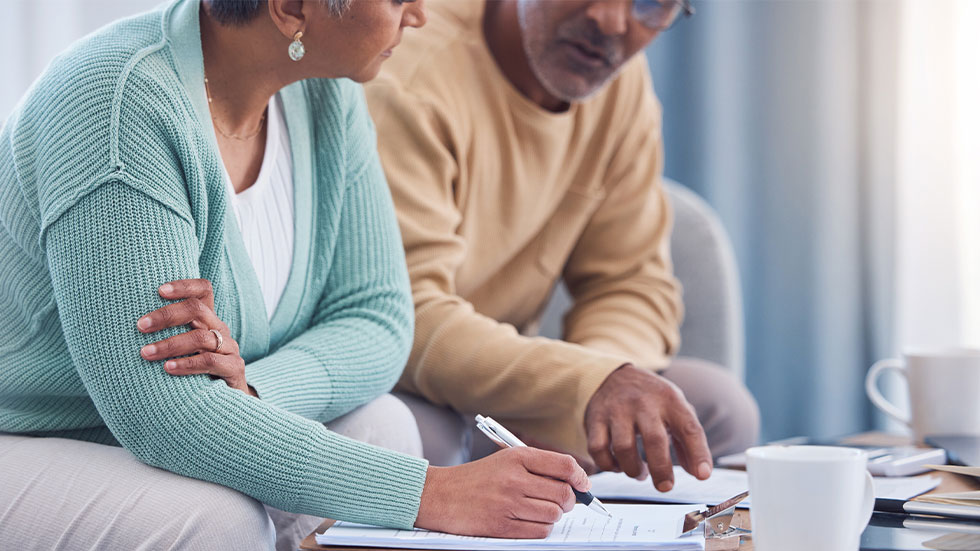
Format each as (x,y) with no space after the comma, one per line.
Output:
(207,348)
(513,493)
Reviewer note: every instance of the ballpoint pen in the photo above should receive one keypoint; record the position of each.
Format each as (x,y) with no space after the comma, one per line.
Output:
(506,439)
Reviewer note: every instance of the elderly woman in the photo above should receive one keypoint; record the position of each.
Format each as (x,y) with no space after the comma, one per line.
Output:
(199,267)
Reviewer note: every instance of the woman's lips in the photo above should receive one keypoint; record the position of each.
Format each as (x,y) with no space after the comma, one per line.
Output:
(387,53)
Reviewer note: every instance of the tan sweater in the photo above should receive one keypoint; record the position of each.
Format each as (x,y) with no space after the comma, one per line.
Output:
(498,198)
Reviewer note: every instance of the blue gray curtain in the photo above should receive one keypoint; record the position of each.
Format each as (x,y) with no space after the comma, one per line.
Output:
(779,114)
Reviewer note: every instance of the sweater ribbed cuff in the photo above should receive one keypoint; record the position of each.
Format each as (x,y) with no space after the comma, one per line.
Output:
(383,487)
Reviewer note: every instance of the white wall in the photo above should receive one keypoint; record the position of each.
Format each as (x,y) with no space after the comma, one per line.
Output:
(34,31)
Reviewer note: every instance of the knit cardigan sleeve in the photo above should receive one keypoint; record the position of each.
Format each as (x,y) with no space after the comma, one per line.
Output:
(104,270)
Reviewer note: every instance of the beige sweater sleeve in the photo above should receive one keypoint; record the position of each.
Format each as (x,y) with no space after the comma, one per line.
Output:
(626,300)
(538,387)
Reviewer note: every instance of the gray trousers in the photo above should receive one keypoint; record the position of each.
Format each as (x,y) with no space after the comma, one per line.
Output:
(72,495)
(726,409)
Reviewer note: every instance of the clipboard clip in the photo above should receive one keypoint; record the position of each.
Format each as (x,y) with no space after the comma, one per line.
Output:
(719,533)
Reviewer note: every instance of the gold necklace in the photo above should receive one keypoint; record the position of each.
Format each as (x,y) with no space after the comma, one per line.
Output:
(207,88)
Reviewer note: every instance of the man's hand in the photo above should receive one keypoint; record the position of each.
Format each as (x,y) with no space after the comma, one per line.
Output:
(631,402)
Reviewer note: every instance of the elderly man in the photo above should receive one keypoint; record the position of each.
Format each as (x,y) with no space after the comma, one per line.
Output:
(521,139)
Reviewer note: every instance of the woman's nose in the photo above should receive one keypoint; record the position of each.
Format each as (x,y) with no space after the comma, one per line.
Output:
(414,15)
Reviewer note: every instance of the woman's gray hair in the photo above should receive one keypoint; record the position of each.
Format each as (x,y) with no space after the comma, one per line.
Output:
(239,12)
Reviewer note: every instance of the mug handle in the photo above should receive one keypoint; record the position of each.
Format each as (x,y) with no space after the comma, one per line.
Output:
(871,387)
(868,505)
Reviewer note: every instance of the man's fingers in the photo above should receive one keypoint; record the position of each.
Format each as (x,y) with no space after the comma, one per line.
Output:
(599,447)
(556,465)
(188,288)
(181,313)
(679,453)
(656,444)
(623,432)
(687,431)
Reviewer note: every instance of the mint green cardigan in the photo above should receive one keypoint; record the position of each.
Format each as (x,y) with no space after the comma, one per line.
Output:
(110,186)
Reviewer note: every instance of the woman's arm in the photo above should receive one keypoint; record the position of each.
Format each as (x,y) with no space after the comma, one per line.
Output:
(108,254)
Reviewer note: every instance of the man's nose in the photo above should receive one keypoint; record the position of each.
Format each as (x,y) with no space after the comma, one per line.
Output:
(611,16)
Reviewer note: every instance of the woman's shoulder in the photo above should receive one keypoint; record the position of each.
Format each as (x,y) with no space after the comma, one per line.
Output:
(76,127)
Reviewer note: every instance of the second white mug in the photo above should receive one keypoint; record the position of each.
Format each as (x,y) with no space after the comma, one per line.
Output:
(943,387)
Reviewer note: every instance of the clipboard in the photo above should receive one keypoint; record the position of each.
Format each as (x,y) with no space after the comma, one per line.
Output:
(639,526)
(309,542)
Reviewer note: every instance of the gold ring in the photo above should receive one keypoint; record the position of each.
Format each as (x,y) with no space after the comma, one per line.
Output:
(221,340)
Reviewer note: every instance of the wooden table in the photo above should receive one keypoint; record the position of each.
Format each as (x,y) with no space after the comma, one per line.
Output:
(949,483)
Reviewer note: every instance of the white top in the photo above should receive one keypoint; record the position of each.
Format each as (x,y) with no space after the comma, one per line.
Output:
(265,211)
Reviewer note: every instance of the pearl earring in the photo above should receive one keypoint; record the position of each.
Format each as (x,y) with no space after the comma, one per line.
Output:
(296,48)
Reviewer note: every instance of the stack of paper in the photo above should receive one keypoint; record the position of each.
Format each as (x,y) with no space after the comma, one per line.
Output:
(631,527)
(970,499)
(725,483)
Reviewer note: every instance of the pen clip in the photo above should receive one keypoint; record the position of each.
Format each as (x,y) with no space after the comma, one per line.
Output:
(487,429)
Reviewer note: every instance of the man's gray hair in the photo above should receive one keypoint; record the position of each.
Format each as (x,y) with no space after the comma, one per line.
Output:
(239,12)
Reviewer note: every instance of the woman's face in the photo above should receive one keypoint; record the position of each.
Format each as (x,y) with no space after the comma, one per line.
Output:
(357,43)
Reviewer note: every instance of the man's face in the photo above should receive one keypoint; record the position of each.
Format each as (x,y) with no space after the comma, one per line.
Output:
(576,46)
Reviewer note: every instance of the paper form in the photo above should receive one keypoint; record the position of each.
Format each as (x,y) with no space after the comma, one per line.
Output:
(725,483)
(636,526)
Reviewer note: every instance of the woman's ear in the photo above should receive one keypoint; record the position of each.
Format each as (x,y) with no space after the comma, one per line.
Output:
(289,16)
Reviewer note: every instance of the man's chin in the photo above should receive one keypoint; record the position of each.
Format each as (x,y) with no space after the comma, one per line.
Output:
(574,87)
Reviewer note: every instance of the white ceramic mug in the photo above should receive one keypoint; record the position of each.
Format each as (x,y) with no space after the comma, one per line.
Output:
(943,387)
(809,498)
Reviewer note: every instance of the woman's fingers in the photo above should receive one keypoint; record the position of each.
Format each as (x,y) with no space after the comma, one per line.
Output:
(185,312)
(526,529)
(185,344)
(229,368)
(189,288)
(557,492)
(555,465)
(540,510)
(208,348)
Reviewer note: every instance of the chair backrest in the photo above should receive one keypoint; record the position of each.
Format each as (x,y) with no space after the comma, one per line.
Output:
(704,263)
